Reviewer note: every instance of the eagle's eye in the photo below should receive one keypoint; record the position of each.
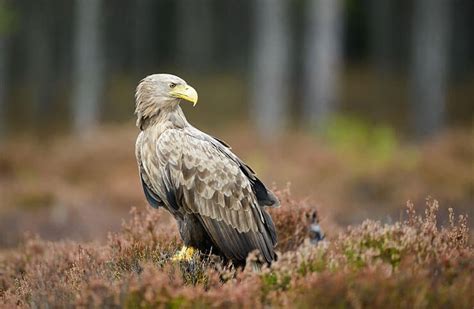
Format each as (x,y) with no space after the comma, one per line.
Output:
(172,85)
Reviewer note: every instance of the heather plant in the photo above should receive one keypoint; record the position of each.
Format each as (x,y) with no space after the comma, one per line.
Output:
(415,263)
(418,237)
(291,221)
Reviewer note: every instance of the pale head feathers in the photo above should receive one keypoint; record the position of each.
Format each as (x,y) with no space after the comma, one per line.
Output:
(153,96)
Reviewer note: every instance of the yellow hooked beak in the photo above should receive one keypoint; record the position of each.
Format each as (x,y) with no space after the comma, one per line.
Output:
(185,92)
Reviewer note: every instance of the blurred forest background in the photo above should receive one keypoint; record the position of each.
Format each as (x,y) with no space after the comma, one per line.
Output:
(360,105)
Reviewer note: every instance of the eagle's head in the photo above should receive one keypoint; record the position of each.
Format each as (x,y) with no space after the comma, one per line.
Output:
(159,92)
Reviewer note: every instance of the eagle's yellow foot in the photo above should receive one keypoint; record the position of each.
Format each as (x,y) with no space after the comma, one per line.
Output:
(185,254)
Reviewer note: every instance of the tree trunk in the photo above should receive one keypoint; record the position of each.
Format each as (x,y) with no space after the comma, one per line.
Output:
(88,66)
(195,33)
(271,76)
(381,34)
(40,62)
(3,87)
(142,36)
(323,47)
(429,65)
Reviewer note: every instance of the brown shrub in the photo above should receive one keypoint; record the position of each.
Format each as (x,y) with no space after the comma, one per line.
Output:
(291,220)
(414,263)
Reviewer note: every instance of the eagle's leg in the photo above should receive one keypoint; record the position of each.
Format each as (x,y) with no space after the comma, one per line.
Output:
(195,238)
(185,254)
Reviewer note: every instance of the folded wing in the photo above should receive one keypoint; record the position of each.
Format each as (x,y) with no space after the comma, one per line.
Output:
(200,175)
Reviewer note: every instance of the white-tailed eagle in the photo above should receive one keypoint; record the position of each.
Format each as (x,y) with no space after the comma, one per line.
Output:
(215,197)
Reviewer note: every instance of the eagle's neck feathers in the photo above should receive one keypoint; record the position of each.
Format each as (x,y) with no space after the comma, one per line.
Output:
(169,117)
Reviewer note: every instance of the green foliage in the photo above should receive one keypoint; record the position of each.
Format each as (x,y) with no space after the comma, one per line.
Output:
(35,200)
(317,264)
(275,281)
(381,249)
(194,272)
(7,19)
(359,139)
(311,267)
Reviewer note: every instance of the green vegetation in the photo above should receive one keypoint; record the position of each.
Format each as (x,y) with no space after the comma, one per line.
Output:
(375,143)
(8,19)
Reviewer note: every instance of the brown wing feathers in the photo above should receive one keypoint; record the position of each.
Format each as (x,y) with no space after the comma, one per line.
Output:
(264,196)
(206,181)
(236,245)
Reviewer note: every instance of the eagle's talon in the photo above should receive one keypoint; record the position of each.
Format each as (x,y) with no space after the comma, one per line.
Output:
(185,254)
